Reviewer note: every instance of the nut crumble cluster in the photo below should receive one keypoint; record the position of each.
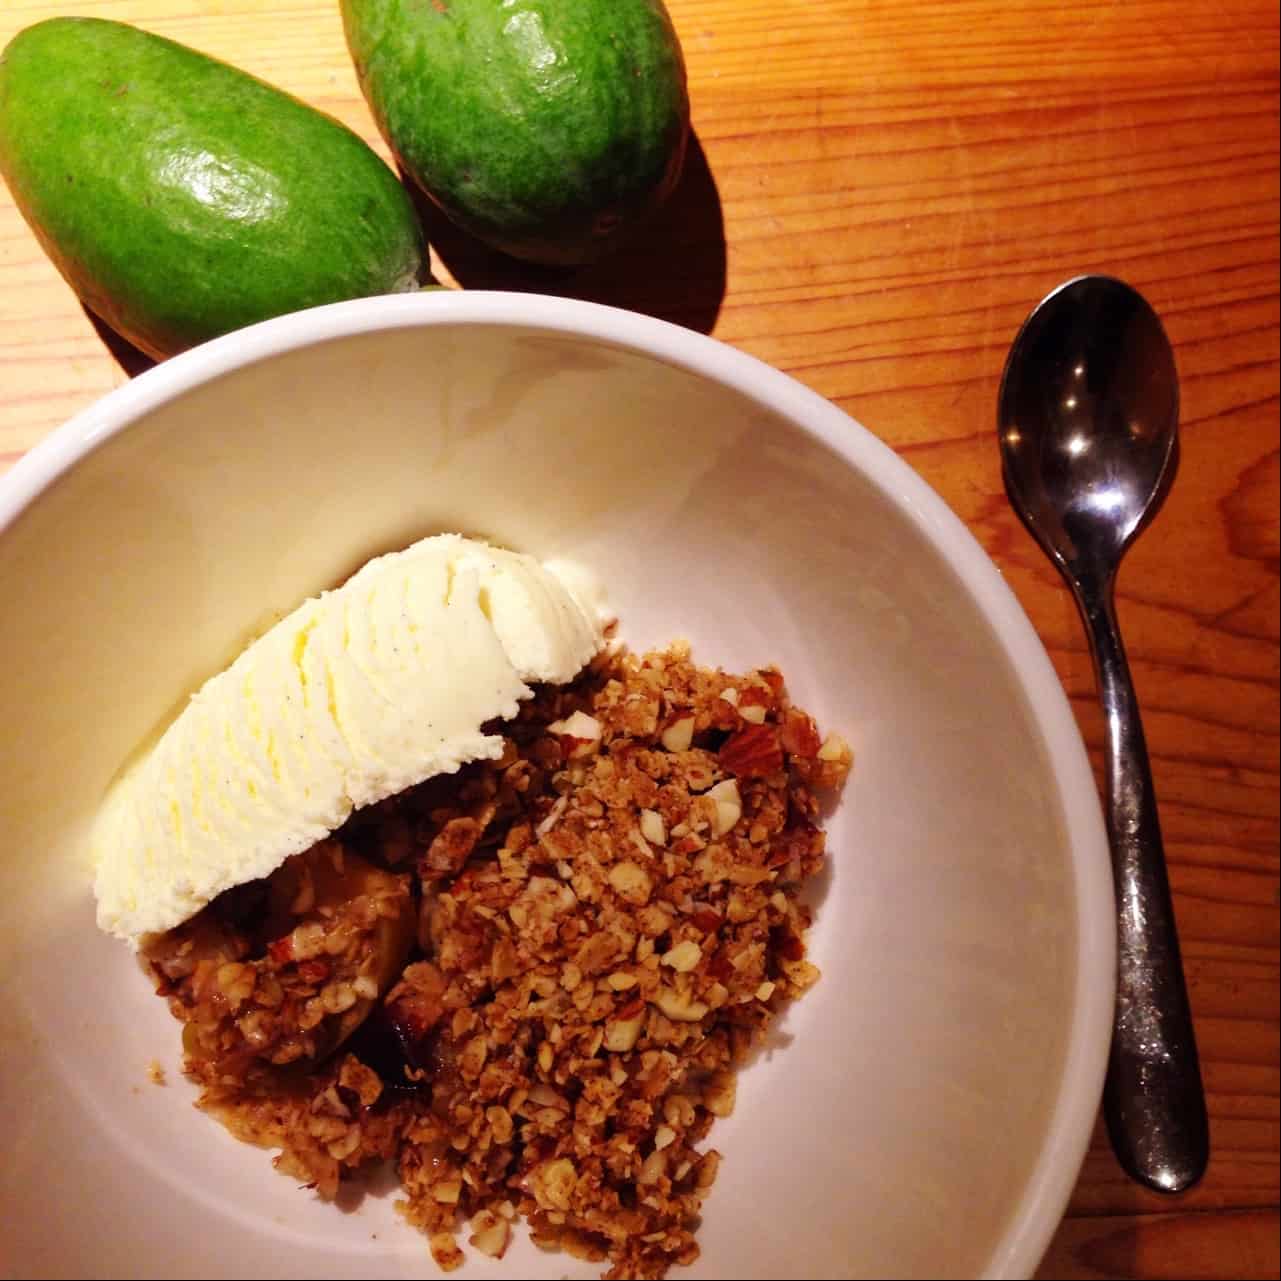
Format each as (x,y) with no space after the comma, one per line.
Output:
(528,983)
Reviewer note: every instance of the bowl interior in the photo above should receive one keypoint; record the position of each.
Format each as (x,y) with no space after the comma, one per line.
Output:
(891,1126)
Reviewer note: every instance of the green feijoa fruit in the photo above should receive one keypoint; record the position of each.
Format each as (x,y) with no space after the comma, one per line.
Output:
(547,128)
(182,198)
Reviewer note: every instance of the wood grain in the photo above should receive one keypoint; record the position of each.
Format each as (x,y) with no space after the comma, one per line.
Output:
(880,192)
(1180,1247)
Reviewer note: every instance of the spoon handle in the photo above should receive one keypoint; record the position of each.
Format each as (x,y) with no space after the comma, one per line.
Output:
(1152,1098)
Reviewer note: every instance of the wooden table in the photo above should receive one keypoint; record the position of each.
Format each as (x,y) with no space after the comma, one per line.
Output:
(878,193)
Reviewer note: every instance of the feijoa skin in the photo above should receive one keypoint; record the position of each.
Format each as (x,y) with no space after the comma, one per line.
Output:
(550,129)
(182,198)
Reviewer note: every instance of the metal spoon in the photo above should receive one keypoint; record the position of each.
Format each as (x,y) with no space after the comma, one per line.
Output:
(1088,421)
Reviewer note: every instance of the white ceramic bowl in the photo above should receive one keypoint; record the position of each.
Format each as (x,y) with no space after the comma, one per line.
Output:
(924,1110)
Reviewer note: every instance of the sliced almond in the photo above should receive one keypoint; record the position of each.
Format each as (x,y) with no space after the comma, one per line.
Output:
(679,1007)
(638,840)
(490,1234)
(621,1034)
(444,1250)
(652,827)
(579,734)
(576,725)
(631,882)
(552,817)
(729,806)
(652,1167)
(684,956)
(678,735)
(801,972)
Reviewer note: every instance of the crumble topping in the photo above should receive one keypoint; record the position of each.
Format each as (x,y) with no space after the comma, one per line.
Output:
(529,983)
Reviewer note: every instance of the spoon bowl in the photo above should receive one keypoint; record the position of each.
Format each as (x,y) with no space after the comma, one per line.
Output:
(1088,421)
(1088,416)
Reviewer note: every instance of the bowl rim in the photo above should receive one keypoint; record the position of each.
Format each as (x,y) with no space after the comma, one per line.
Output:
(1040,1206)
